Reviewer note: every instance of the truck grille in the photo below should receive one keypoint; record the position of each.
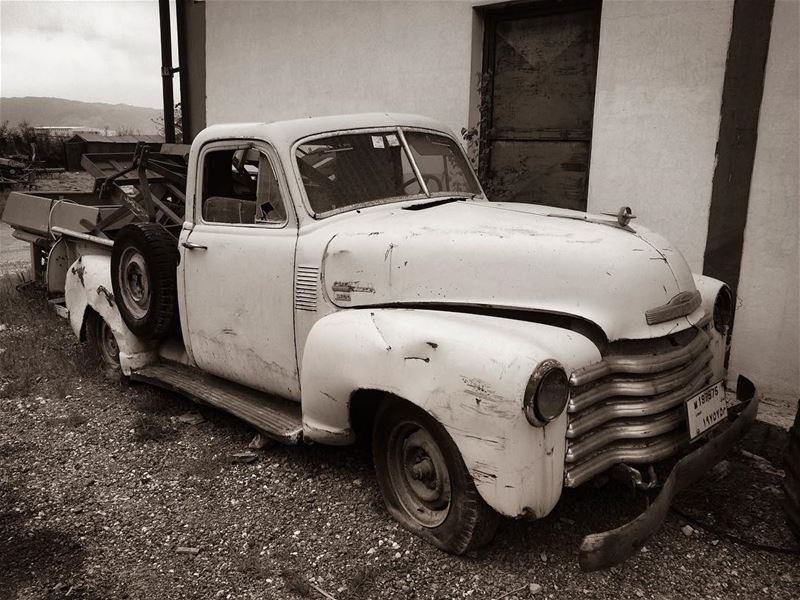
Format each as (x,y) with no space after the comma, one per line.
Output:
(629,407)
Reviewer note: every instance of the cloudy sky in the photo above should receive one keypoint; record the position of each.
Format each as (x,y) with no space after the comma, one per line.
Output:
(95,51)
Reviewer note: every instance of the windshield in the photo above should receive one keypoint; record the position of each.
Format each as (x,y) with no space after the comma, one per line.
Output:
(345,171)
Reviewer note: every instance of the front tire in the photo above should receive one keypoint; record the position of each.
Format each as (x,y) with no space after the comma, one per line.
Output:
(424,482)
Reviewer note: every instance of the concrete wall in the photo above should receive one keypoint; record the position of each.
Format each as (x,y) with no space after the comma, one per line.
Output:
(657,111)
(280,60)
(767,332)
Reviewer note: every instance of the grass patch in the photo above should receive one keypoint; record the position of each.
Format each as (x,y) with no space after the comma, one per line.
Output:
(206,466)
(147,428)
(73,420)
(296,583)
(254,567)
(39,354)
(153,401)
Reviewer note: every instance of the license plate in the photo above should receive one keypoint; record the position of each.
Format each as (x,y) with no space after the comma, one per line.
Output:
(706,409)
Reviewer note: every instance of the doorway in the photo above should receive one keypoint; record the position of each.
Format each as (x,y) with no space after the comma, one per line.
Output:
(539,76)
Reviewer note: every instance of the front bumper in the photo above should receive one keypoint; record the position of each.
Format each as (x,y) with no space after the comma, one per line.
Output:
(603,550)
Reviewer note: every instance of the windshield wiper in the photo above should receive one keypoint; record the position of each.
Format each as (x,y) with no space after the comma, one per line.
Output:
(432,203)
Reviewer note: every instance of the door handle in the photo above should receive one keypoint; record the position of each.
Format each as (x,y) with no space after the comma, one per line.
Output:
(193,246)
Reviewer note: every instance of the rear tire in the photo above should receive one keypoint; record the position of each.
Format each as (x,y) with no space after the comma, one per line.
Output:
(144,264)
(102,341)
(424,482)
(791,482)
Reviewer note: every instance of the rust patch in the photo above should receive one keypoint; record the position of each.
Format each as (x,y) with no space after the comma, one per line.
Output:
(79,271)
(102,290)
(423,359)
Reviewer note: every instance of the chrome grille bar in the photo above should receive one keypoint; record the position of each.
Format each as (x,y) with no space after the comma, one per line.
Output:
(625,429)
(640,387)
(641,364)
(629,406)
(634,407)
(647,451)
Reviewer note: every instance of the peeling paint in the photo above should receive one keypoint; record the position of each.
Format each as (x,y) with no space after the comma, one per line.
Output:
(79,271)
(378,329)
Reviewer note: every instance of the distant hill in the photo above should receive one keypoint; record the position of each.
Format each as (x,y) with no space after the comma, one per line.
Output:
(43,112)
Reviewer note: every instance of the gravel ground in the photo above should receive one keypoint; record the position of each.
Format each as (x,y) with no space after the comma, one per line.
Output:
(106,492)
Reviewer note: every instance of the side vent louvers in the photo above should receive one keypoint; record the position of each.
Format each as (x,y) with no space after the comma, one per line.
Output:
(305,288)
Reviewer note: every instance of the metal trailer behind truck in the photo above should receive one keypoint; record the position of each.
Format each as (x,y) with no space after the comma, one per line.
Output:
(334,277)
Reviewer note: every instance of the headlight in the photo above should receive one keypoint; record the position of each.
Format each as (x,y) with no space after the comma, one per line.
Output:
(723,310)
(546,394)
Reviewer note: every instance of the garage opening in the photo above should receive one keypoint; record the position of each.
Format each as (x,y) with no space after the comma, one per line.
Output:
(539,75)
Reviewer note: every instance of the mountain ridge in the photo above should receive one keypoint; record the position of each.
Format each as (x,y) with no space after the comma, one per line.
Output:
(44,111)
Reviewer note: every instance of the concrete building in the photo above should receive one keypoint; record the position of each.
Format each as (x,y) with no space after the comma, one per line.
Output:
(685,110)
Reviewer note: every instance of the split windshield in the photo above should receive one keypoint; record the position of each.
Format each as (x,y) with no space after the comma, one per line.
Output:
(351,170)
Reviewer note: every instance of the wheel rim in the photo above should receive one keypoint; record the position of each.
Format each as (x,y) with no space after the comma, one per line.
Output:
(419,474)
(134,282)
(107,344)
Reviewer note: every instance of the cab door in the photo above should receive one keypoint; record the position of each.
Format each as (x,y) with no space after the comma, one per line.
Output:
(237,262)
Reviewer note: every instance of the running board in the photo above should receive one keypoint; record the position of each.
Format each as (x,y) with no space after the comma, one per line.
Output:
(277,418)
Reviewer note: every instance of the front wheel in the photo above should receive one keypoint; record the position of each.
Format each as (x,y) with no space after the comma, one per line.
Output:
(424,481)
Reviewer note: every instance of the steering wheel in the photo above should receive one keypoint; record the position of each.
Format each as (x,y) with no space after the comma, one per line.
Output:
(426,179)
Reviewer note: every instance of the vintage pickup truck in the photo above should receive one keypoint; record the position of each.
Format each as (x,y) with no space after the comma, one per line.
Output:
(346,276)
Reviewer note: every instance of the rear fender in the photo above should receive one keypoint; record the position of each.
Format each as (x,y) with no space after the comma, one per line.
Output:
(468,371)
(88,284)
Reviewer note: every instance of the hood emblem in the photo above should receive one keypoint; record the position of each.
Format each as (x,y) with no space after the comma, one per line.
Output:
(680,305)
(624,216)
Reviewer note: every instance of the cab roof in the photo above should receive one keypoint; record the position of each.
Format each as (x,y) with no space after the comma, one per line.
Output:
(286,133)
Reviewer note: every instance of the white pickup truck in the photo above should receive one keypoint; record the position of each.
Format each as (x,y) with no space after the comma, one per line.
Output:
(346,276)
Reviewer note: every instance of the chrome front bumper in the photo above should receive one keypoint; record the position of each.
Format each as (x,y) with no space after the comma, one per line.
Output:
(603,550)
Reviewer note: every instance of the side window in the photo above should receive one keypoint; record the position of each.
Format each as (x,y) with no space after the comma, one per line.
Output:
(240,187)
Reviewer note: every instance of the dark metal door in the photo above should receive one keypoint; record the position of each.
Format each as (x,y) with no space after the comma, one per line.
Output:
(540,67)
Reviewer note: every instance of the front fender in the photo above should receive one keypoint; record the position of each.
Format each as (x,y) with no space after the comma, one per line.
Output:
(88,284)
(719,344)
(468,371)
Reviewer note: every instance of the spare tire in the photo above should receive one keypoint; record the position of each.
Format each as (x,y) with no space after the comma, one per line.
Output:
(791,483)
(144,263)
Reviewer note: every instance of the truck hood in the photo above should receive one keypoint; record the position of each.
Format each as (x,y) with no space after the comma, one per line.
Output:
(509,256)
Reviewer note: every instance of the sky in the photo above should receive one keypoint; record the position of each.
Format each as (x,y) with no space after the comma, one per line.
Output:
(94,51)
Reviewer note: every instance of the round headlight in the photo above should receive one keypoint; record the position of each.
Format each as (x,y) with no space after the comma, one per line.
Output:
(546,394)
(723,310)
